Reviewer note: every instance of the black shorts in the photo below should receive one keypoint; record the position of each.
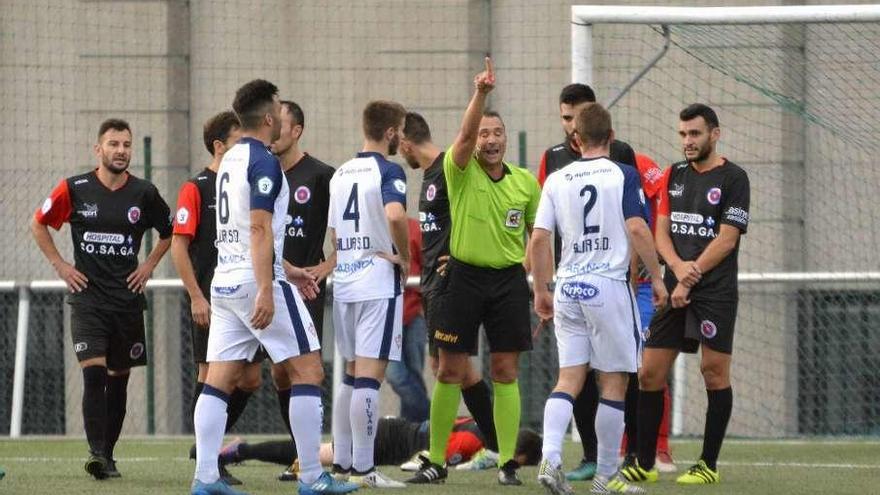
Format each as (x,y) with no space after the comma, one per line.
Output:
(710,323)
(118,336)
(432,307)
(496,298)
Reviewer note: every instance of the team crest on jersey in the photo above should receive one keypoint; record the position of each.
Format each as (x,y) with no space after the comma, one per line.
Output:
(47,205)
(137,350)
(182,216)
(708,329)
(302,195)
(514,218)
(431,193)
(713,196)
(134,214)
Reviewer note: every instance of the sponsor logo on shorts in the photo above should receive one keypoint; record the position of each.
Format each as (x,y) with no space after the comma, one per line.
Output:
(581,291)
(713,196)
(134,214)
(514,218)
(445,337)
(80,346)
(431,193)
(302,195)
(312,329)
(182,216)
(47,205)
(226,291)
(104,238)
(708,329)
(137,350)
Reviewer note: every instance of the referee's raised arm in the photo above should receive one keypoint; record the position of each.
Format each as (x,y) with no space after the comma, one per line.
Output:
(466,140)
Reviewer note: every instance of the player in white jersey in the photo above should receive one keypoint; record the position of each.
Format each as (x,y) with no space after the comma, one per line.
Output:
(598,208)
(248,286)
(368,225)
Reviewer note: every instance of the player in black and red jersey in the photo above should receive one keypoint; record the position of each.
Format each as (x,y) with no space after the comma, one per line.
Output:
(572,100)
(194,253)
(108,210)
(306,226)
(703,210)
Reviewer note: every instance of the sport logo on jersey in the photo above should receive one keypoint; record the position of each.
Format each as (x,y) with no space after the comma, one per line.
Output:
(302,195)
(580,291)
(708,329)
(134,214)
(713,196)
(264,185)
(431,193)
(677,190)
(514,218)
(182,216)
(90,210)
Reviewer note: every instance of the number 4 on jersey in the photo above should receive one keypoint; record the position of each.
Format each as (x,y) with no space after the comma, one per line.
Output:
(352,211)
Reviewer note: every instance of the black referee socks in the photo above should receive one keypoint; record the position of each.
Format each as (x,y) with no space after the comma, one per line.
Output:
(478,400)
(284,408)
(717,417)
(94,407)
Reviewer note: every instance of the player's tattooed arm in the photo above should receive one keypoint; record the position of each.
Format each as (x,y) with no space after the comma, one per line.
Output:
(466,140)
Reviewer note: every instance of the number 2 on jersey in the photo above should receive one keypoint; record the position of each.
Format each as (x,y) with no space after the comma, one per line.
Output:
(352,211)
(591,202)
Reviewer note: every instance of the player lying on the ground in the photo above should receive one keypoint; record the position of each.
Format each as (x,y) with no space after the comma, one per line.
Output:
(398,441)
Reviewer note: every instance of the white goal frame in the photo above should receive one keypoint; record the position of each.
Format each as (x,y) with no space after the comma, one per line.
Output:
(583,17)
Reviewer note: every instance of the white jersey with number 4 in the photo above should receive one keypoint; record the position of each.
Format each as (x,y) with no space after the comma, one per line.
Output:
(359,191)
(588,203)
(249,178)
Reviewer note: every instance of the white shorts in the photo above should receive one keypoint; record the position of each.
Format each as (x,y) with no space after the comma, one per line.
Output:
(596,322)
(291,332)
(371,329)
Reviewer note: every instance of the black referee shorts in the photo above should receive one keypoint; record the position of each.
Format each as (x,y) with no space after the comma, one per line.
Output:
(433,306)
(118,336)
(710,323)
(496,298)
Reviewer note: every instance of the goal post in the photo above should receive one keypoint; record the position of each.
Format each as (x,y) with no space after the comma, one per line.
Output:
(794,88)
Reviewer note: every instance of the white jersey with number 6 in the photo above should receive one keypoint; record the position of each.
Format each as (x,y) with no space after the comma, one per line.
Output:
(588,202)
(249,178)
(359,191)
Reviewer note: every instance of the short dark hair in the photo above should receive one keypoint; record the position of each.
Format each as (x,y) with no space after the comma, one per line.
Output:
(593,125)
(529,443)
(115,124)
(695,110)
(381,115)
(296,112)
(576,93)
(494,114)
(251,100)
(416,129)
(218,128)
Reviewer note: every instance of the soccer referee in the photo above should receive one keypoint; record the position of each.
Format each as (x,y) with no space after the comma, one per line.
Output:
(492,205)
(108,210)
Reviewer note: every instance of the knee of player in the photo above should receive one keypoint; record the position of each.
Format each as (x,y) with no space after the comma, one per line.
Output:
(716,375)
(651,378)
(450,374)
(504,372)
(280,378)
(250,382)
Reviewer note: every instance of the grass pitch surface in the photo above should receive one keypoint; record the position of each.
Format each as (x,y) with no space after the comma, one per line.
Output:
(158,466)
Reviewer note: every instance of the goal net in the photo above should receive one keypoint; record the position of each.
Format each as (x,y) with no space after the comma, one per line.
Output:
(796,93)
